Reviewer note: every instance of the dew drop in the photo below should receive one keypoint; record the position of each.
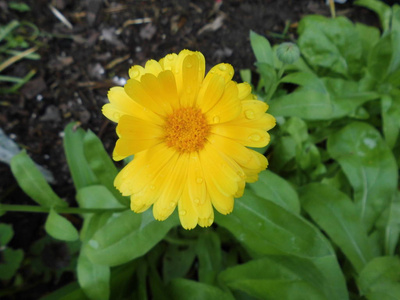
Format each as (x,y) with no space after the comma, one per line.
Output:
(216,119)
(249,114)
(170,57)
(255,137)
(182,212)
(172,204)
(199,180)
(197,200)
(116,115)
(222,68)
(210,221)
(189,65)
(152,187)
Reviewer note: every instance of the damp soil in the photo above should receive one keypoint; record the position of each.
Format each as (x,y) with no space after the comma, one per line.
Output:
(81,60)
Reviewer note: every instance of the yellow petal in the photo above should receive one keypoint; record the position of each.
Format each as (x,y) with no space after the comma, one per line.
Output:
(169,62)
(210,92)
(172,188)
(187,214)
(242,155)
(136,72)
(190,80)
(206,222)
(152,67)
(144,169)
(178,68)
(244,91)
(224,70)
(133,128)
(139,93)
(251,137)
(227,108)
(121,104)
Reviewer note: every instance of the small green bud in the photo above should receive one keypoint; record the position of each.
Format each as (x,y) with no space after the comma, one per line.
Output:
(288,53)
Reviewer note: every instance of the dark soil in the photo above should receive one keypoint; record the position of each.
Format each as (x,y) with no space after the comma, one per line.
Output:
(79,65)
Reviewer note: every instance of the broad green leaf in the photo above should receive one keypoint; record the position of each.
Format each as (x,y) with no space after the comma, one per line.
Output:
(265,228)
(101,164)
(32,181)
(277,277)
(261,48)
(182,288)
(276,189)
(286,147)
(127,236)
(10,262)
(390,107)
(384,12)
(389,224)
(177,261)
(70,291)
(369,166)
(320,98)
(6,234)
(334,212)
(60,228)
(380,279)
(94,279)
(369,36)
(208,250)
(97,196)
(81,173)
(384,60)
(324,42)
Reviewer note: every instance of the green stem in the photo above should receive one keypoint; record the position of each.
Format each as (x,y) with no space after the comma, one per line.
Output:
(275,86)
(61,210)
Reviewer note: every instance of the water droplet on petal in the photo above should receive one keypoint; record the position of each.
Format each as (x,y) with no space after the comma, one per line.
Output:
(199,180)
(222,68)
(182,212)
(189,65)
(216,119)
(255,137)
(135,73)
(210,221)
(116,115)
(172,204)
(152,187)
(197,200)
(249,114)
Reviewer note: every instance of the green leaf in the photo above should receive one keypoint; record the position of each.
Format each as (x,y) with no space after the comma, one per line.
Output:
(390,107)
(369,166)
(265,228)
(384,12)
(369,36)
(277,277)
(177,261)
(101,164)
(94,279)
(127,236)
(276,189)
(97,196)
(60,228)
(182,288)
(268,75)
(10,262)
(32,181)
(334,212)
(390,225)
(380,279)
(324,44)
(21,7)
(261,48)
(70,291)
(6,234)
(209,256)
(320,98)
(81,173)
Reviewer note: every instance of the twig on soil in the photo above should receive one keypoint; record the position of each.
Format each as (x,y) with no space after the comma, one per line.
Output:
(16,58)
(60,16)
(117,61)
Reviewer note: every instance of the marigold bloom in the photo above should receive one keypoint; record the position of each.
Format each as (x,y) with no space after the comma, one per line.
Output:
(188,134)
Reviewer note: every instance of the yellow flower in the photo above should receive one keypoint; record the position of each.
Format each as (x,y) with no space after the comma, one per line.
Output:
(188,134)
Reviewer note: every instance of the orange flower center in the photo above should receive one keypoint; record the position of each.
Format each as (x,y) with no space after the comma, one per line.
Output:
(186,129)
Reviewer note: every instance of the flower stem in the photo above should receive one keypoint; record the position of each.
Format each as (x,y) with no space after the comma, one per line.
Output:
(61,210)
(275,86)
